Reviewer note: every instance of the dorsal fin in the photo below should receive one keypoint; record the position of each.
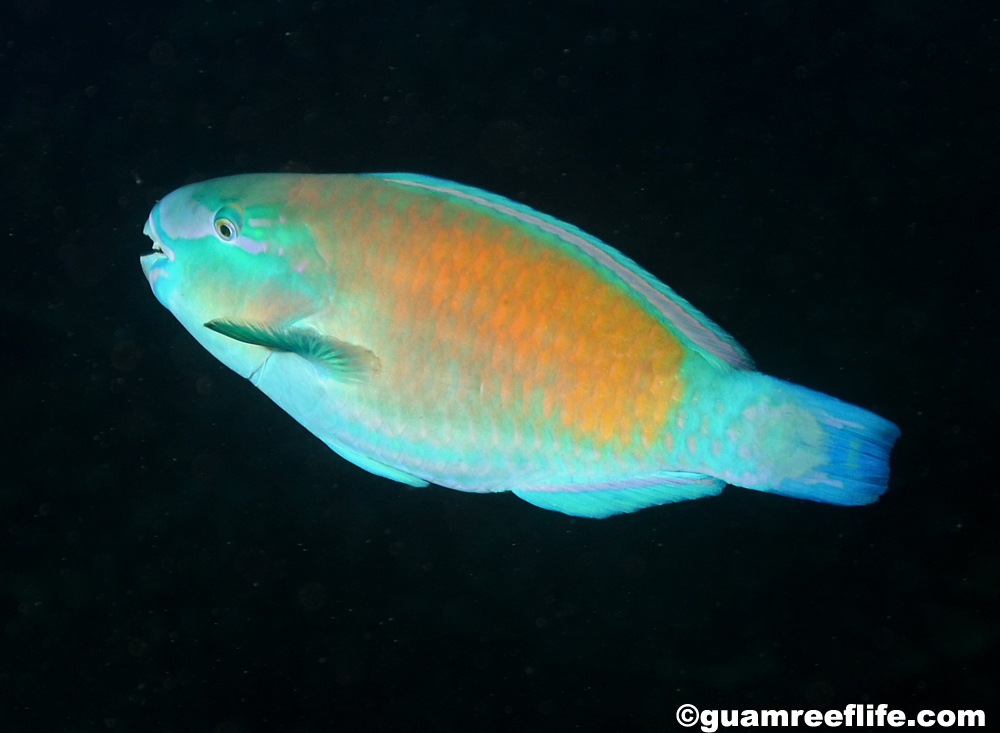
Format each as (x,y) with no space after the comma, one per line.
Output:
(684,320)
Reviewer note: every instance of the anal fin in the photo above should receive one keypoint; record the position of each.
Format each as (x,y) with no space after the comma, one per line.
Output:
(605,500)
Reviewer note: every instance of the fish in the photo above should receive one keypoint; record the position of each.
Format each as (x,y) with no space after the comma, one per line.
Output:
(435,333)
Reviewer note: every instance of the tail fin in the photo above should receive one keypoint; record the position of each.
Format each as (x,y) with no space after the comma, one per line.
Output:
(856,443)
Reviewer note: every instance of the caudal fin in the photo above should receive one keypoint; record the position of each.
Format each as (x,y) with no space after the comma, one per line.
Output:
(856,443)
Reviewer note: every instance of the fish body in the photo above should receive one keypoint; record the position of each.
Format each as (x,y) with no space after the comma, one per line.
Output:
(431,332)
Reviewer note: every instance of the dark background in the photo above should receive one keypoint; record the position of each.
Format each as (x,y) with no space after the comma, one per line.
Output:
(821,178)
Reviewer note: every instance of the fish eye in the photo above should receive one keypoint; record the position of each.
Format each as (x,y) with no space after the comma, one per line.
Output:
(228,222)
(226,230)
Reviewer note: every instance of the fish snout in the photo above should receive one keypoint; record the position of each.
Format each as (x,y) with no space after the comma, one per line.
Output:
(160,252)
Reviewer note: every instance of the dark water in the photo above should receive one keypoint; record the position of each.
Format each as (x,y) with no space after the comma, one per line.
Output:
(821,178)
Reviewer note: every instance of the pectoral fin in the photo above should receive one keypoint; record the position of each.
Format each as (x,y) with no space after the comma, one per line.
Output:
(349,362)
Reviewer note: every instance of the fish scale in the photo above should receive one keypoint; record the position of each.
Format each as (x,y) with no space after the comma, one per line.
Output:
(519,278)
(433,332)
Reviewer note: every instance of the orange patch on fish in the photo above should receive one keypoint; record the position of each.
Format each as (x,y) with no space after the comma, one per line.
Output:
(525,317)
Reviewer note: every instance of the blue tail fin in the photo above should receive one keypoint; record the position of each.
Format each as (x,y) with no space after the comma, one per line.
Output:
(857,445)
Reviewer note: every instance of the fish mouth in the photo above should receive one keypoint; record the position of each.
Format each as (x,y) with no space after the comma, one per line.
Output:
(148,262)
(160,250)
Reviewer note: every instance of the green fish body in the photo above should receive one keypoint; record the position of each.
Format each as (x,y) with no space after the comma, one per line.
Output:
(430,332)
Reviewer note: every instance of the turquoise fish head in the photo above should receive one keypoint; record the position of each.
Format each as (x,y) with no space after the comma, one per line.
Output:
(233,248)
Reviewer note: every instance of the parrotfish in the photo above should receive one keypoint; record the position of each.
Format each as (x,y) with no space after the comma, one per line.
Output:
(431,332)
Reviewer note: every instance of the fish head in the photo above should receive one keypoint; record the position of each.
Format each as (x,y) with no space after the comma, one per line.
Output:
(229,248)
